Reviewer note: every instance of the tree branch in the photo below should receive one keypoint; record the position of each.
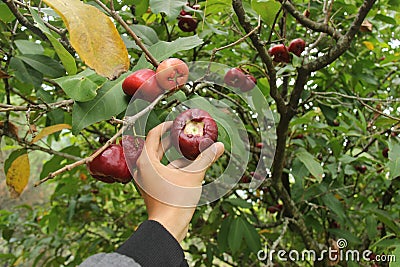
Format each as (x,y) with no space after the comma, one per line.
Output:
(315,26)
(24,21)
(129,121)
(137,40)
(343,42)
(266,59)
(63,103)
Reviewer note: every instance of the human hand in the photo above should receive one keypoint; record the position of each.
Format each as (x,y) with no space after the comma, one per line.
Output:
(172,192)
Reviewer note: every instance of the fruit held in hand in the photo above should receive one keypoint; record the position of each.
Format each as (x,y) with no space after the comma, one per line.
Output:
(279,53)
(297,46)
(172,73)
(249,83)
(193,131)
(142,84)
(187,23)
(110,166)
(235,78)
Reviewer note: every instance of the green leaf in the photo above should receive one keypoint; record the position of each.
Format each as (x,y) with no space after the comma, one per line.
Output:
(5,13)
(223,234)
(66,58)
(109,102)
(235,237)
(334,205)
(239,202)
(141,6)
(396,253)
(171,8)
(55,162)
(25,73)
(388,220)
(251,236)
(147,34)
(312,165)
(329,113)
(29,47)
(44,64)
(385,19)
(263,84)
(163,50)
(394,160)
(7,255)
(267,9)
(371,224)
(350,237)
(83,86)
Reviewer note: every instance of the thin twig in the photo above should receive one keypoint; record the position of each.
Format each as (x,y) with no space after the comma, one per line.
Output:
(137,40)
(63,103)
(215,50)
(129,121)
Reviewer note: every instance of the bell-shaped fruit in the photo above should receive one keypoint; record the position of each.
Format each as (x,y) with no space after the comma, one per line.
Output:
(279,53)
(172,73)
(235,78)
(110,165)
(187,23)
(297,46)
(142,84)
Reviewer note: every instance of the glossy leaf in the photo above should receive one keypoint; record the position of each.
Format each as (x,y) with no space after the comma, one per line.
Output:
(44,64)
(312,165)
(83,86)
(109,102)
(171,8)
(394,157)
(163,50)
(66,58)
(267,9)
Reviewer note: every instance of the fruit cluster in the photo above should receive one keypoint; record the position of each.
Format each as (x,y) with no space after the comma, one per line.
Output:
(236,78)
(281,53)
(148,84)
(110,166)
(186,21)
(192,132)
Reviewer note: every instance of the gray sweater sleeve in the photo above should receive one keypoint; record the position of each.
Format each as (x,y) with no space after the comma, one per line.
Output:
(150,246)
(109,259)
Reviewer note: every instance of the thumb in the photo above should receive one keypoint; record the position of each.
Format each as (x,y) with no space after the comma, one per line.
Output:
(207,158)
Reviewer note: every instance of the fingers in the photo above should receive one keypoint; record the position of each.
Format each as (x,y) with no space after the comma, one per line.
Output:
(153,145)
(207,157)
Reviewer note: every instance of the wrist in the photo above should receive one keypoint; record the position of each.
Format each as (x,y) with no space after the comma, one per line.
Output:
(176,223)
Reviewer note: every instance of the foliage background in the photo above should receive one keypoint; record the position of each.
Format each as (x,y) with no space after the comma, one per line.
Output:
(347,113)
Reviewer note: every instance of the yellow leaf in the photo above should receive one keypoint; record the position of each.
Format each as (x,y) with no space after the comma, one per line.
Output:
(369,45)
(17,176)
(49,130)
(94,37)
